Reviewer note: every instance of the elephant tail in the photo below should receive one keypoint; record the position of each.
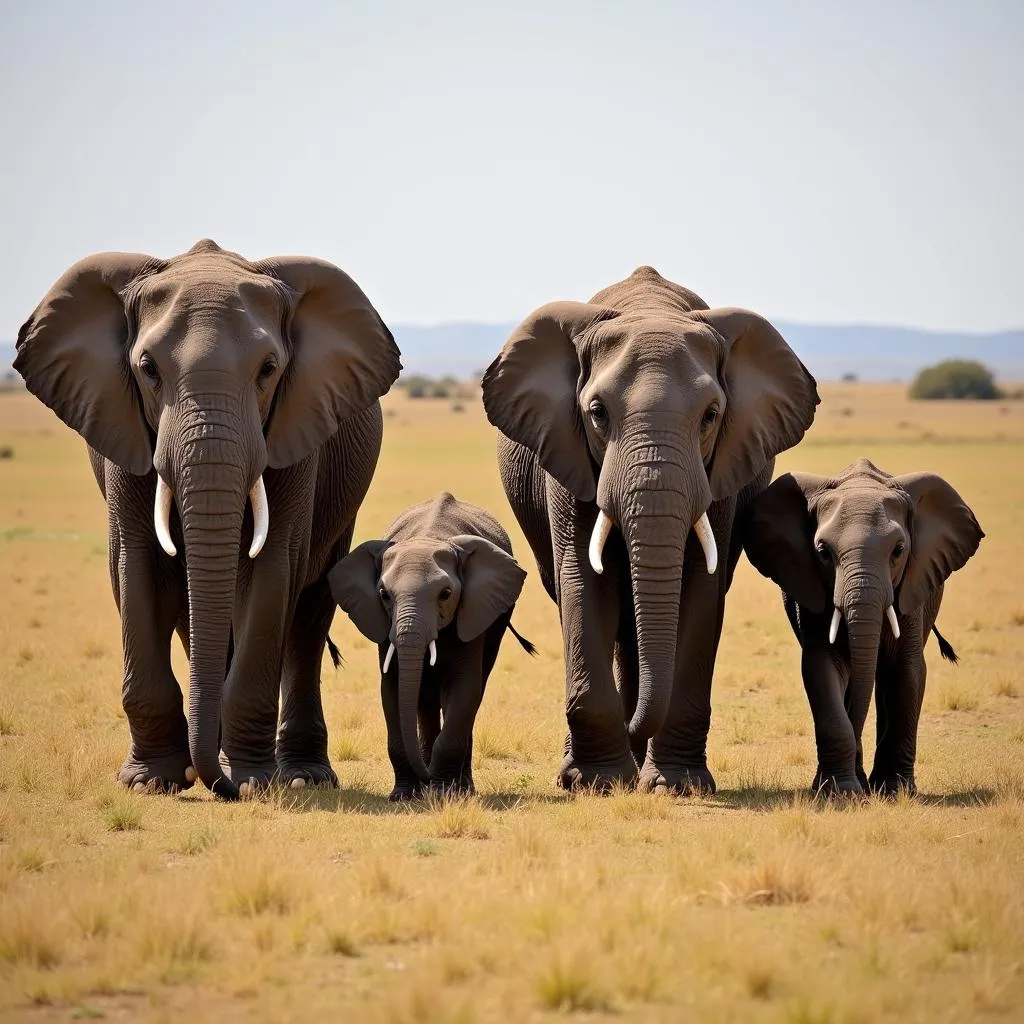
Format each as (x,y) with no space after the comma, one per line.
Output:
(336,659)
(945,647)
(523,642)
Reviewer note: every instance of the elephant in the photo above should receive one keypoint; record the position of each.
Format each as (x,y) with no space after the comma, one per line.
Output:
(436,595)
(205,384)
(633,428)
(862,559)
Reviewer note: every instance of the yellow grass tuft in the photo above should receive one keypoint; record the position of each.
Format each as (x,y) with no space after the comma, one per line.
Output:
(957,698)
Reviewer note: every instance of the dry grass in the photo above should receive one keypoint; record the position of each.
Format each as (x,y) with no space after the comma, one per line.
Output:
(521,903)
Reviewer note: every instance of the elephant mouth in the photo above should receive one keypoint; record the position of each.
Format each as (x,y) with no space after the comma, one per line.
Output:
(391,653)
(162,516)
(603,529)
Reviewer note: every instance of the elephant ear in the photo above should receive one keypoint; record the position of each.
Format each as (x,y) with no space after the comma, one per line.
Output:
(491,583)
(73,353)
(343,357)
(778,537)
(529,391)
(770,398)
(355,583)
(944,534)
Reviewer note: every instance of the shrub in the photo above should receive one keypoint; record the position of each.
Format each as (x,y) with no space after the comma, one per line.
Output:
(955,378)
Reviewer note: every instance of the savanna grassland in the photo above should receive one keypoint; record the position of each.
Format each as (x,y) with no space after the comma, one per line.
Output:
(523,903)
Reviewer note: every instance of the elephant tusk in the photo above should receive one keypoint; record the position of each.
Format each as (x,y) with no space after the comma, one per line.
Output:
(602,528)
(833,630)
(707,541)
(387,658)
(162,516)
(433,653)
(260,517)
(891,614)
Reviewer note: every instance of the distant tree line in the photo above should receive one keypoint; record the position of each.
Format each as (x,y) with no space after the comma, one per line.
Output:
(418,386)
(955,378)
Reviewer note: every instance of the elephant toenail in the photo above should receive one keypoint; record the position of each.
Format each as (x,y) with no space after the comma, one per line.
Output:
(139,787)
(191,774)
(243,790)
(298,783)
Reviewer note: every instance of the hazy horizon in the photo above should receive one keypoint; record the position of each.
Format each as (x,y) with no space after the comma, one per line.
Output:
(466,164)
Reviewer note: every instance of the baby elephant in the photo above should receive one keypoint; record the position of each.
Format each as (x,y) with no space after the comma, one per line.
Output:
(436,595)
(861,559)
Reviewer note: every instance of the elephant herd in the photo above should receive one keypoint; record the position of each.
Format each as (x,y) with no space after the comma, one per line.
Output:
(231,409)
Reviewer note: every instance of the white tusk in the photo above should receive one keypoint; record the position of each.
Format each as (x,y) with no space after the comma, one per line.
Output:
(891,613)
(833,630)
(260,517)
(387,658)
(602,528)
(706,537)
(162,516)
(433,653)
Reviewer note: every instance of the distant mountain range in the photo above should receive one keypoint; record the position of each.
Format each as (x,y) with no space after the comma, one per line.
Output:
(829,351)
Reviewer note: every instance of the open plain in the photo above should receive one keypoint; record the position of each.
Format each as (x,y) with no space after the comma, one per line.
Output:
(523,903)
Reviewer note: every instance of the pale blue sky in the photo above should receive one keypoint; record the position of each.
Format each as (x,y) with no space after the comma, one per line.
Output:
(817,161)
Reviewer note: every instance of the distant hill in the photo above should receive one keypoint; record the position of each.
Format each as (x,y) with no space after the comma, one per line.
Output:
(870,352)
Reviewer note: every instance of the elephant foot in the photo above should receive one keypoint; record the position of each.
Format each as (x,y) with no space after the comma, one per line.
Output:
(461,786)
(674,780)
(251,777)
(298,772)
(600,776)
(892,785)
(404,791)
(834,787)
(169,773)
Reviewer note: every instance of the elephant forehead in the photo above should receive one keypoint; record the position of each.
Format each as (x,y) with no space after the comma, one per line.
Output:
(424,561)
(860,503)
(668,342)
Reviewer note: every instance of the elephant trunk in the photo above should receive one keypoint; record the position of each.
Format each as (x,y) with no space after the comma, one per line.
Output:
(863,602)
(657,507)
(411,647)
(212,465)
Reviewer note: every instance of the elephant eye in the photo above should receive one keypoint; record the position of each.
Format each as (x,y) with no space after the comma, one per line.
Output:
(824,552)
(149,370)
(384,595)
(446,593)
(598,414)
(897,552)
(268,369)
(709,419)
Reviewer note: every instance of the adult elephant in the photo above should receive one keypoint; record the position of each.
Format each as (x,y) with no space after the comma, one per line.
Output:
(203,385)
(635,427)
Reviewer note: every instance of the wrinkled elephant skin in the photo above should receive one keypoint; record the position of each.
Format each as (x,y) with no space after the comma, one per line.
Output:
(436,595)
(862,559)
(634,427)
(222,401)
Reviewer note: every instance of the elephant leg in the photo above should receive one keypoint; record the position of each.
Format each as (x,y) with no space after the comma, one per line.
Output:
(597,749)
(826,682)
(149,590)
(676,758)
(428,714)
(302,733)
(462,690)
(899,694)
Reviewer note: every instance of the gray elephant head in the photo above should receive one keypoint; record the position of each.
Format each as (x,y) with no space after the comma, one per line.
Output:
(654,416)
(407,592)
(868,545)
(207,368)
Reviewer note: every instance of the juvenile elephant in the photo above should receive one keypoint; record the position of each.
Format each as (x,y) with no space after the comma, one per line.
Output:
(635,426)
(438,591)
(204,384)
(861,559)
